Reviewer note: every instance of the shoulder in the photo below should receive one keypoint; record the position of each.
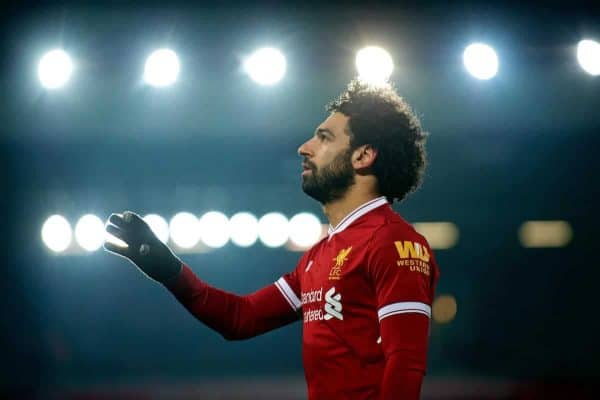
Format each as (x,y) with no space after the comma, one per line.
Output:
(394,229)
(395,239)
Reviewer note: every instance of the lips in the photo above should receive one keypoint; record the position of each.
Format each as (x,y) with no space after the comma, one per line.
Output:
(306,168)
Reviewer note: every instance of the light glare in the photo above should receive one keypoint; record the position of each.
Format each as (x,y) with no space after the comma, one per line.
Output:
(214,229)
(159,226)
(444,309)
(243,228)
(184,230)
(89,232)
(374,65)
(305,229)
(481,61)
(273,229)
(588,55)
(54,69)
(162,68)
(57,233)
(266,66)
(545,233)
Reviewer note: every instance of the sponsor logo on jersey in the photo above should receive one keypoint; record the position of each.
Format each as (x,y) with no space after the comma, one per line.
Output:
(331,309)
(333,305)
(413,255)
(336,271)
(312,296)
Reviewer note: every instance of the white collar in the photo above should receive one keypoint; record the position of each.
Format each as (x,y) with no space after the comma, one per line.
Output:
(354,215)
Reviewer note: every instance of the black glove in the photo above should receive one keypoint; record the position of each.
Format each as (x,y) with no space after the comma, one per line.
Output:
(145,250)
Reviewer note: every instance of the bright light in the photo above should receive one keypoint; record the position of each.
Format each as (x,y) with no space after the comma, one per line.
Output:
(545,233)
(266,66)
(305,229)
(89,232)
(214,229)
(439,235)
(54,69)
(162,68)
(56,233)
(273,229)
(588,55)
(184,230)
(444,309)
(243,228)
(481,61)
(374,65)
(159,226)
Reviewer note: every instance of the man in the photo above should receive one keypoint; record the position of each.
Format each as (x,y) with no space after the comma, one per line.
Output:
(364,292)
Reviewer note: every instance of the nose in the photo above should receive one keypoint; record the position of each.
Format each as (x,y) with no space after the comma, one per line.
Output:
(303,150)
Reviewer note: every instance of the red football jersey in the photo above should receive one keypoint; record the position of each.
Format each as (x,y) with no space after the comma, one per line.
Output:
(372,266)
(364,294)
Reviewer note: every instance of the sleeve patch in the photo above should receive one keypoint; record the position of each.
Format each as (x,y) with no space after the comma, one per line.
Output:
(413,255)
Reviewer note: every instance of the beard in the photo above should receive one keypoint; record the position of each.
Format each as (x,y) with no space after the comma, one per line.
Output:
(331,182)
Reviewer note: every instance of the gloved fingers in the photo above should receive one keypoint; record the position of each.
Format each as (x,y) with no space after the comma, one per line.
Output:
(134,221)
(116,232)
(129,222)
(118,250)
(116,220)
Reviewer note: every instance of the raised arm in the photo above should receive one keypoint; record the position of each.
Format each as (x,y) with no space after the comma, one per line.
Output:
(234,317)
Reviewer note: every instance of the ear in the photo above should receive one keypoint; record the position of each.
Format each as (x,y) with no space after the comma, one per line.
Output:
(364,156)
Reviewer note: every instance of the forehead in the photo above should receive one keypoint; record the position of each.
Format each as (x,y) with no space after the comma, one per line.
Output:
(336,122)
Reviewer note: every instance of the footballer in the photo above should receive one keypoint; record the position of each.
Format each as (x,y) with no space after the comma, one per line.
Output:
(364,292)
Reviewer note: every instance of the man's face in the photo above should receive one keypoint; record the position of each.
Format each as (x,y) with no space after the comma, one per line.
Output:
(327,167)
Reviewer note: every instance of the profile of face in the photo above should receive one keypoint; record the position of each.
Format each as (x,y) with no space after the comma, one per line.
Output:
(327,166)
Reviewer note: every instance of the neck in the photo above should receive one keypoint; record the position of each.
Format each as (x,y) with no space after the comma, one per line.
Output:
(336,210)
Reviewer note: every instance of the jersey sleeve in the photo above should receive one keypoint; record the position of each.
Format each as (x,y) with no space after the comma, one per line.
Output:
(289,284)
(403,273)
(402,270)
(235,317)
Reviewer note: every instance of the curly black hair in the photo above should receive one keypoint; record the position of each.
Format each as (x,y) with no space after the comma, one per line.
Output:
(381,118)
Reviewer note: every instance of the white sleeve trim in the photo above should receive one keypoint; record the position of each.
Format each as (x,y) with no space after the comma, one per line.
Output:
(404,308)
(288,294)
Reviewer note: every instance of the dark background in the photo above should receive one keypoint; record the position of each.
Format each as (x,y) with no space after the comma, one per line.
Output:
(522,146)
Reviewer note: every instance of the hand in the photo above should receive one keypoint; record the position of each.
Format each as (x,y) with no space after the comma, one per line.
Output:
(144,249)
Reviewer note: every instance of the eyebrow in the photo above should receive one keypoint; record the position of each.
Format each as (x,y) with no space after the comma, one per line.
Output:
(324,130)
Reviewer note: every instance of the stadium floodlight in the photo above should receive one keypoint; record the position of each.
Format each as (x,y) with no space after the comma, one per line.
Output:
(214,229)
(444,309)
(159,226)
(481,61)
(89,232)
(545,233)
(162,68)
(588,55)
(184,230)
(57,233)
(266,66)
(243,229)
(374,65)
(305,229)
(55,69)
(273,229)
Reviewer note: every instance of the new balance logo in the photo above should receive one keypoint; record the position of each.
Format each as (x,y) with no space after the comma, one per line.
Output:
(333,305)
(310,263)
